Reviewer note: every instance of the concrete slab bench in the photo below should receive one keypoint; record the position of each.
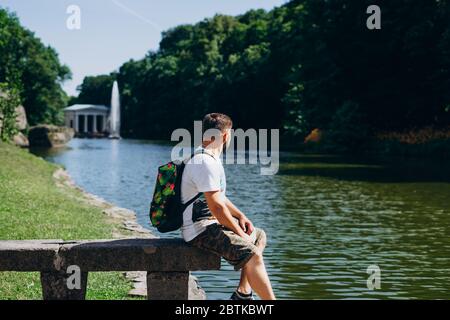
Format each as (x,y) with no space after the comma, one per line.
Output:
(168,263)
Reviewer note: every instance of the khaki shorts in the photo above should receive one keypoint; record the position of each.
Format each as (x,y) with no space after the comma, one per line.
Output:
(227,244)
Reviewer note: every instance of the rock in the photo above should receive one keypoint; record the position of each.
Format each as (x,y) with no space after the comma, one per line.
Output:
(28,255)
(169,262)
(195,291)
(168,285)
(49,136)
(21,119)
(139,280)
(20,140)
(156,255)
(55,286)
(140,286)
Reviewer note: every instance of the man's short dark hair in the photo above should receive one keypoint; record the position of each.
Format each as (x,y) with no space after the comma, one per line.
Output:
(218,121)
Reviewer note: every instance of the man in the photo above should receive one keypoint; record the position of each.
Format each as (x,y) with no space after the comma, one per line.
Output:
(218,225)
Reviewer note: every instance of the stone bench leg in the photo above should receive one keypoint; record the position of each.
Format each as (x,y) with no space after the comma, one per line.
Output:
(167,285)
(54,286)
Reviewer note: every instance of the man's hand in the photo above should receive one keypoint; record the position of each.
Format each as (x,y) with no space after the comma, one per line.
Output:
(220,211)
(246,224)
(247,237)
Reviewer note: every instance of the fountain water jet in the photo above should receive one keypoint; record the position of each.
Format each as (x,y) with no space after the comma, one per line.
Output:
(114,132)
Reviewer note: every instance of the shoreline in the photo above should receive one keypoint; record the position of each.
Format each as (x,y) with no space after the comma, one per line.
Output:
(127,220)
(126,217)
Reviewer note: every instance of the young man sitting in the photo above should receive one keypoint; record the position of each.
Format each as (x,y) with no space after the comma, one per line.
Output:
(218,225)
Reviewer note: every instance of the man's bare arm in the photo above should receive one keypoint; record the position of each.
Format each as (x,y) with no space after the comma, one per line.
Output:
(220,211)
(244,222)
(235,212)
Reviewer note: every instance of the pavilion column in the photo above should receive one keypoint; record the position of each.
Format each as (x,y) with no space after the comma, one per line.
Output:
(75,122)
(104,123)
(85,123)
(95,123)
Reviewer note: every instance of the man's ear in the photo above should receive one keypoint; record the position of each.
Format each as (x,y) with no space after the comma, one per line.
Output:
(225,136)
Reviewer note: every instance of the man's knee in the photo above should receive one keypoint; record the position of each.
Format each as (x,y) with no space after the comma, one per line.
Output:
(257,258)
(262,239)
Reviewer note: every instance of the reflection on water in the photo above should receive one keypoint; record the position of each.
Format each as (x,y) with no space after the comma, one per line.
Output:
(327,218)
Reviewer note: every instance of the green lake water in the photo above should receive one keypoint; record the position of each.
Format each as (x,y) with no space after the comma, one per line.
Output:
(327,218)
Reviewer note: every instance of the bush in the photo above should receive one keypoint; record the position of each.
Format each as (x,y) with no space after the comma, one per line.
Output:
(424,142)
(347,131)
(9,100)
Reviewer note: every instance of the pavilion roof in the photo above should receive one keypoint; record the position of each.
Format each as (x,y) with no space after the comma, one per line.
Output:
(78,107)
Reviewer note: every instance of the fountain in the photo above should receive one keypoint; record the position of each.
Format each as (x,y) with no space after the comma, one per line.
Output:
(114,132)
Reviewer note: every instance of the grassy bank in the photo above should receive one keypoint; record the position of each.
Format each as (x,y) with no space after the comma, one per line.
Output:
(33,207)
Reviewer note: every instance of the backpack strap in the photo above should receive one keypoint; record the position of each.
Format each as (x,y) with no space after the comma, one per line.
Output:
(201,151)
(187,204)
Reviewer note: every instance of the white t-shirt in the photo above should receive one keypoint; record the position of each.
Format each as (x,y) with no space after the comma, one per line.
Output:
(202,173)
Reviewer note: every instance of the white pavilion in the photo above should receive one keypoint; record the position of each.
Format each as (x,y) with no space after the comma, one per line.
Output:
(87,118)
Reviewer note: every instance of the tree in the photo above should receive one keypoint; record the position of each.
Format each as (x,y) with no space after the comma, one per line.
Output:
(34,69)
(96,90)
(304,65)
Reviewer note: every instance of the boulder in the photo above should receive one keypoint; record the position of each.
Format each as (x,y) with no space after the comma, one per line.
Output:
(21,118)
(49,136)
(139,279)
(20,140)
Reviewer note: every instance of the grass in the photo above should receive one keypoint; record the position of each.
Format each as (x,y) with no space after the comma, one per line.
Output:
(33,207)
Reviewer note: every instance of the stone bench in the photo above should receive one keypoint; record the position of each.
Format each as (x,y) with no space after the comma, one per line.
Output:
(168,263)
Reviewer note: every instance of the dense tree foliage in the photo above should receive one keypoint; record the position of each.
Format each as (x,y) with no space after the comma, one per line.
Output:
(9,100)
(95,90)
(307,64)
(33,69)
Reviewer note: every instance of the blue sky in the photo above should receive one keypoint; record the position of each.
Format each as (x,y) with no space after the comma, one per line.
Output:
(113,31)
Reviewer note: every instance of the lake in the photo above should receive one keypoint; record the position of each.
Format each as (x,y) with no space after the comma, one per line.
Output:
(327,218)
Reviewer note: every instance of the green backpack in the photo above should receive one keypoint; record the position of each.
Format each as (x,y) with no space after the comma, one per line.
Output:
(166,209)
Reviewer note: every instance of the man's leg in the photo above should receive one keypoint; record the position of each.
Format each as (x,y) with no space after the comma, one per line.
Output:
(244,285)
(232,247)
(257,277)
